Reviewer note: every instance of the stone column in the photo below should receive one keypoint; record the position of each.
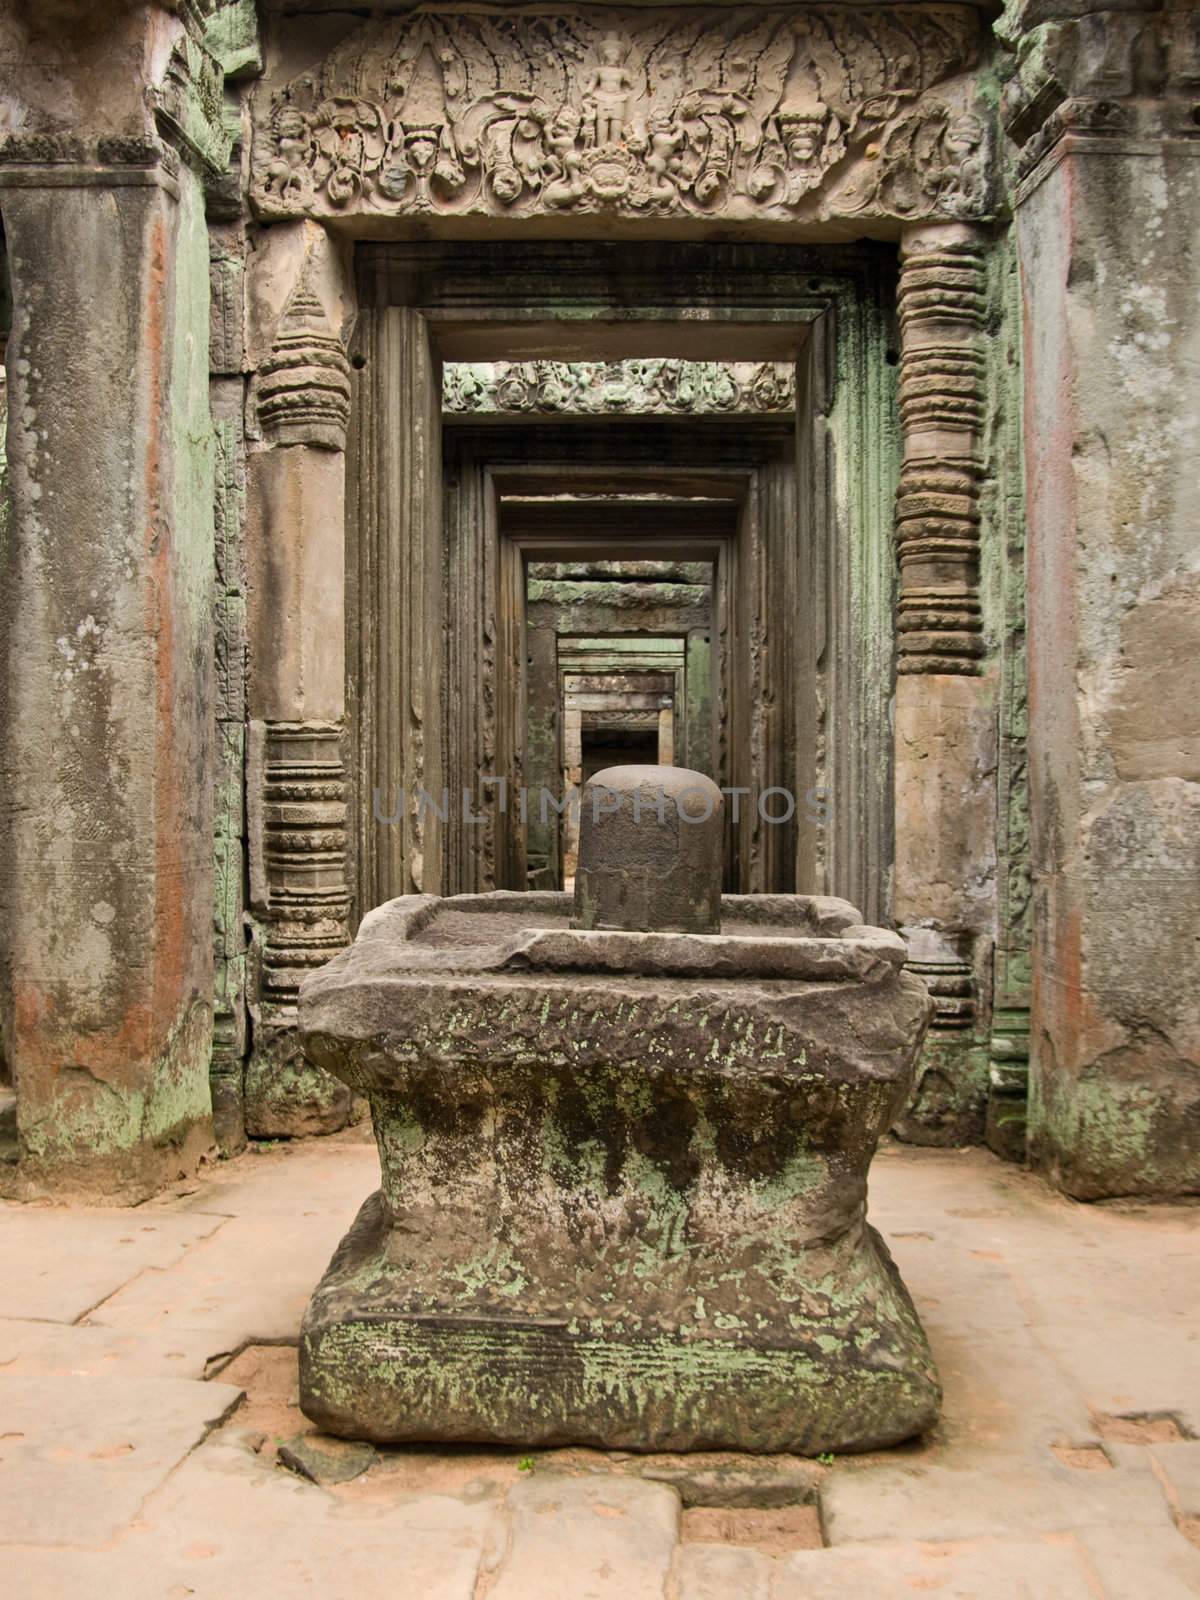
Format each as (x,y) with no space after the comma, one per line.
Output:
(945,739)
(300,399)
(107,731)
(1108,213)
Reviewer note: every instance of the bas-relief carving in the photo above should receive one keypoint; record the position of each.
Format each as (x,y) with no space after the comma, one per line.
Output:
(780,115)
(604,388)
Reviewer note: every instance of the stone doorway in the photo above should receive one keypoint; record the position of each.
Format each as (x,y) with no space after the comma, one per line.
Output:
(562,389)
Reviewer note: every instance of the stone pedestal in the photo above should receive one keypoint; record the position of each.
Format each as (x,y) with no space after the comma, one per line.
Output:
(624,1181)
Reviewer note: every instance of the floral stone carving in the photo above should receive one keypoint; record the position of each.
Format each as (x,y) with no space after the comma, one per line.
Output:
(618,388)
(785,115)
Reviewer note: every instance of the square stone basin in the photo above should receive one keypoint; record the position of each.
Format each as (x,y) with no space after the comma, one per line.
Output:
(624,1180)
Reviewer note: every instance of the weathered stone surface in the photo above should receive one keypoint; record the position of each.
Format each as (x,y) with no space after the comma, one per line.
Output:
(666,876)
(717,1572)
(618,1208)
(137,1429)
(286,1097)
(1112,423)
(107,744)
(748,1483)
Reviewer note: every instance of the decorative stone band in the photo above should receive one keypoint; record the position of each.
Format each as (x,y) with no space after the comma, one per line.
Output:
(951,985)
(943,305)
(304,384)
(619,388)
(304,827)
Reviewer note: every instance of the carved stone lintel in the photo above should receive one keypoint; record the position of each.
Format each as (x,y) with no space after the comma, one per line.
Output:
(303,387)
(618,388)
(943,304)
(642,113)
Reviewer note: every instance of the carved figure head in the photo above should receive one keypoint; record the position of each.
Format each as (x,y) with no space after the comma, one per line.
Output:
(506,184)
(804,135)
(612,50)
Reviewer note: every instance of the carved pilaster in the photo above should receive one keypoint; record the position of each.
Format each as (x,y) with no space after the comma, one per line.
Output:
(303,387)
(944,718)
(227,1064)
(1008,1069)
(304,855)
(299,883)
(943,304)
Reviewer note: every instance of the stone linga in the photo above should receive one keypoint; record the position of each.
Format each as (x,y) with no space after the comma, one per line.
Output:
(624,1169)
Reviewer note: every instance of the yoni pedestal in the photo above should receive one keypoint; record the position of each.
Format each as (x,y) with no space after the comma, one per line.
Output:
(624,1171)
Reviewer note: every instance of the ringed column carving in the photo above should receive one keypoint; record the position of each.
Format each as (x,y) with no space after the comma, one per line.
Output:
(943,304)
(297,775)
(945,735)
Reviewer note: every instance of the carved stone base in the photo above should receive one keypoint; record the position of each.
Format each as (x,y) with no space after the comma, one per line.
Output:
(624,1180)
(950,1101)
(428,1372)
(286,1096)
(229,1111)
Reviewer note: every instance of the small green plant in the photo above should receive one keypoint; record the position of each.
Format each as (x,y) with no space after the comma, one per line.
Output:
(526,1464)
(826,1459)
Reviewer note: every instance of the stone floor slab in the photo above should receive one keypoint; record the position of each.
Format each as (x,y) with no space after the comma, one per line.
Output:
(310,1177)
(251,1281)
(82,1454)
(612,1540)
(1143,1563)
(985,1569)
(989,1496)
(1179,1467)
(722,1572)
(224,1527)
(1038,1310)
(59,1264)
(58,1350)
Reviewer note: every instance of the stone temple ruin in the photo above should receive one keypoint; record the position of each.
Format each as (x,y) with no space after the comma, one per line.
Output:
(599,798)
(624,1157)
(413,411)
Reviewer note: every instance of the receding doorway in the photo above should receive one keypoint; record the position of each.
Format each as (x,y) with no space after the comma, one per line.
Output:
(526,408)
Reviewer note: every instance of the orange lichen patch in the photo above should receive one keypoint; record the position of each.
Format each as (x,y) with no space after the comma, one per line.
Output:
(1158,1427)
(1083,1457)
(775,1532)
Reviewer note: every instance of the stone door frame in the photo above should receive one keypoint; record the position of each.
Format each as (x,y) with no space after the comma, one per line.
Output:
(828,306)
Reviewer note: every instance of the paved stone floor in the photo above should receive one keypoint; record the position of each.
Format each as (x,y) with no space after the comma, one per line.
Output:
(150,1443)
